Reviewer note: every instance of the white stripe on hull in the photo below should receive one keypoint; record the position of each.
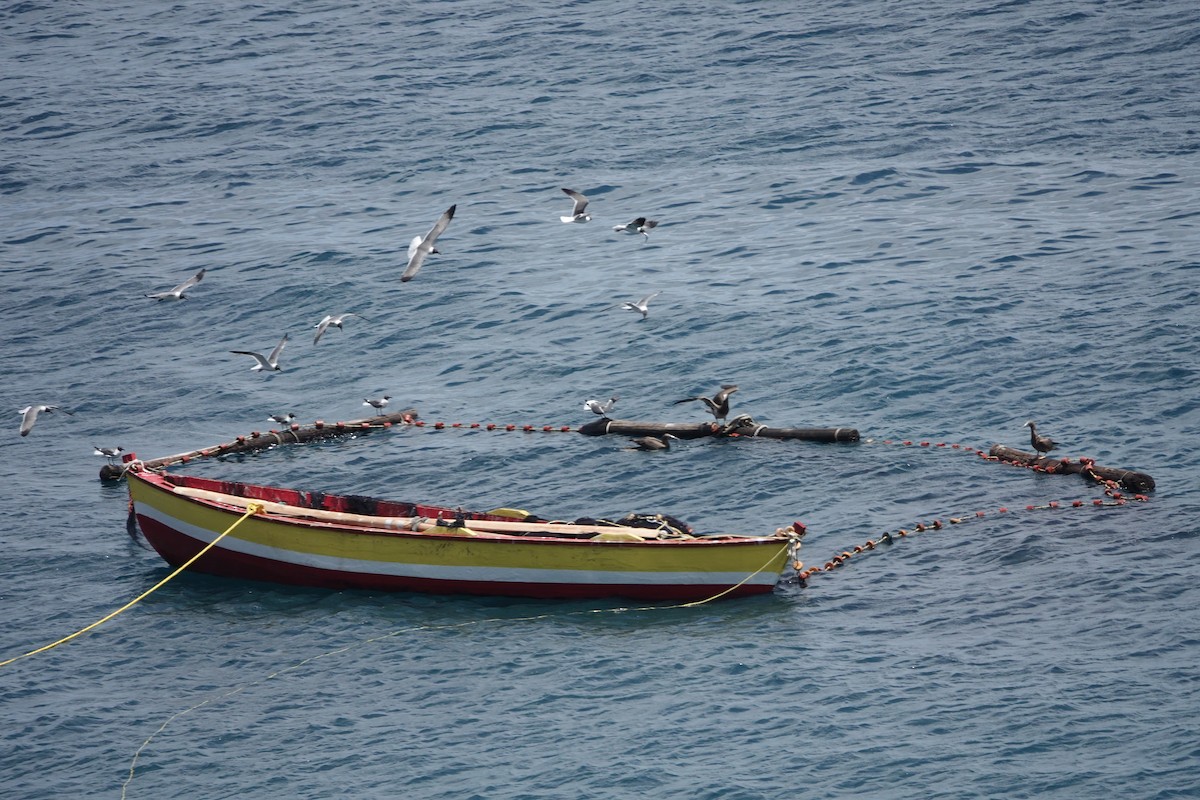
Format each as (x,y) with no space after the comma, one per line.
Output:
(480,574)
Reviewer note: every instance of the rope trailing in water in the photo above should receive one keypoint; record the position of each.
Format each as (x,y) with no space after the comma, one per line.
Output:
(252,509)
(793,544)
(1111,489)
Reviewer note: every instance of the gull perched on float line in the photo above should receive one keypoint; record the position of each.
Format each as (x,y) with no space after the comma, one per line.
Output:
(270,362)
(109,452)
(596,407)
(378,403)
(332,321)
(422,246)
(641,306)
(29,415)
(578,213)
(178,292)
(640,225)
(718,404)
(1042,444)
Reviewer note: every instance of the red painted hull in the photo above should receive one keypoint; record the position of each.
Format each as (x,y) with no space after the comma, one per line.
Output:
(304,539)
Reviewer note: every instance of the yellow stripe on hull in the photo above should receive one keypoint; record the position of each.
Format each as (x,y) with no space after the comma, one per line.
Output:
(434,556)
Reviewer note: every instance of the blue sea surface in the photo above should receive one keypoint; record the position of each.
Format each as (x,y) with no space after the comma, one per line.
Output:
(928,222)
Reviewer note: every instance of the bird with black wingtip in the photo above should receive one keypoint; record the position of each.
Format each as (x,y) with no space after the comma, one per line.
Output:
(718,404)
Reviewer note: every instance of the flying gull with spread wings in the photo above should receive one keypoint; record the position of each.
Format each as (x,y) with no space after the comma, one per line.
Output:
(640,225)
(29,415)
(334,321)
(178,292)
(641,306)
(579,211)
(270,362)
(718,404)
(421,246)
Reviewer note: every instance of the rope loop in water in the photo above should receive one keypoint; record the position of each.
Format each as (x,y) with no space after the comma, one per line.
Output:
(253,508)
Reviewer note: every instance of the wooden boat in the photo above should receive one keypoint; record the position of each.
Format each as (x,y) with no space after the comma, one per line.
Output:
(353,542)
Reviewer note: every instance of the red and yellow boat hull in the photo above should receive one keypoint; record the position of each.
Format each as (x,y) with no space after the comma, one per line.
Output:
(341,550)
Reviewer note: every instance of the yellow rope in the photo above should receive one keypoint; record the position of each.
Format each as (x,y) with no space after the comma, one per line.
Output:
(251,509)
(392,634)
(736,585)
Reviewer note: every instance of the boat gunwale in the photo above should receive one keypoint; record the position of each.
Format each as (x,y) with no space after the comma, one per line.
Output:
(160,482)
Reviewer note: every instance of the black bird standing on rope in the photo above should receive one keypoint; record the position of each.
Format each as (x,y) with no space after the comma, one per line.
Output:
(718,404)
(1043,444)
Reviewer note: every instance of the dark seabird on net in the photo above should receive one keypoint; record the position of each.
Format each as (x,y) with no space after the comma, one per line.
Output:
(1042,444)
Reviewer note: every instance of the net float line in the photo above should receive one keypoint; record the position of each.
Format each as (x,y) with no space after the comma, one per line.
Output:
(1129,480)
(742,426)
(490,426)
(1087,467)
(839,559)
(258,440)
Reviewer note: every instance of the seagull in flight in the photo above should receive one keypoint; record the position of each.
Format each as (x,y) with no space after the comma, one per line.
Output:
(640,225)
(269,363)
(282,419)
(578,213)
(332,321)
(597,407)
(642,306)
(178,292)
(718,404)
(422,246)
(29,415)
(378,403)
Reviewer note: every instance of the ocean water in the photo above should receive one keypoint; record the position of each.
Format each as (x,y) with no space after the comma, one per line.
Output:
(928,222)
